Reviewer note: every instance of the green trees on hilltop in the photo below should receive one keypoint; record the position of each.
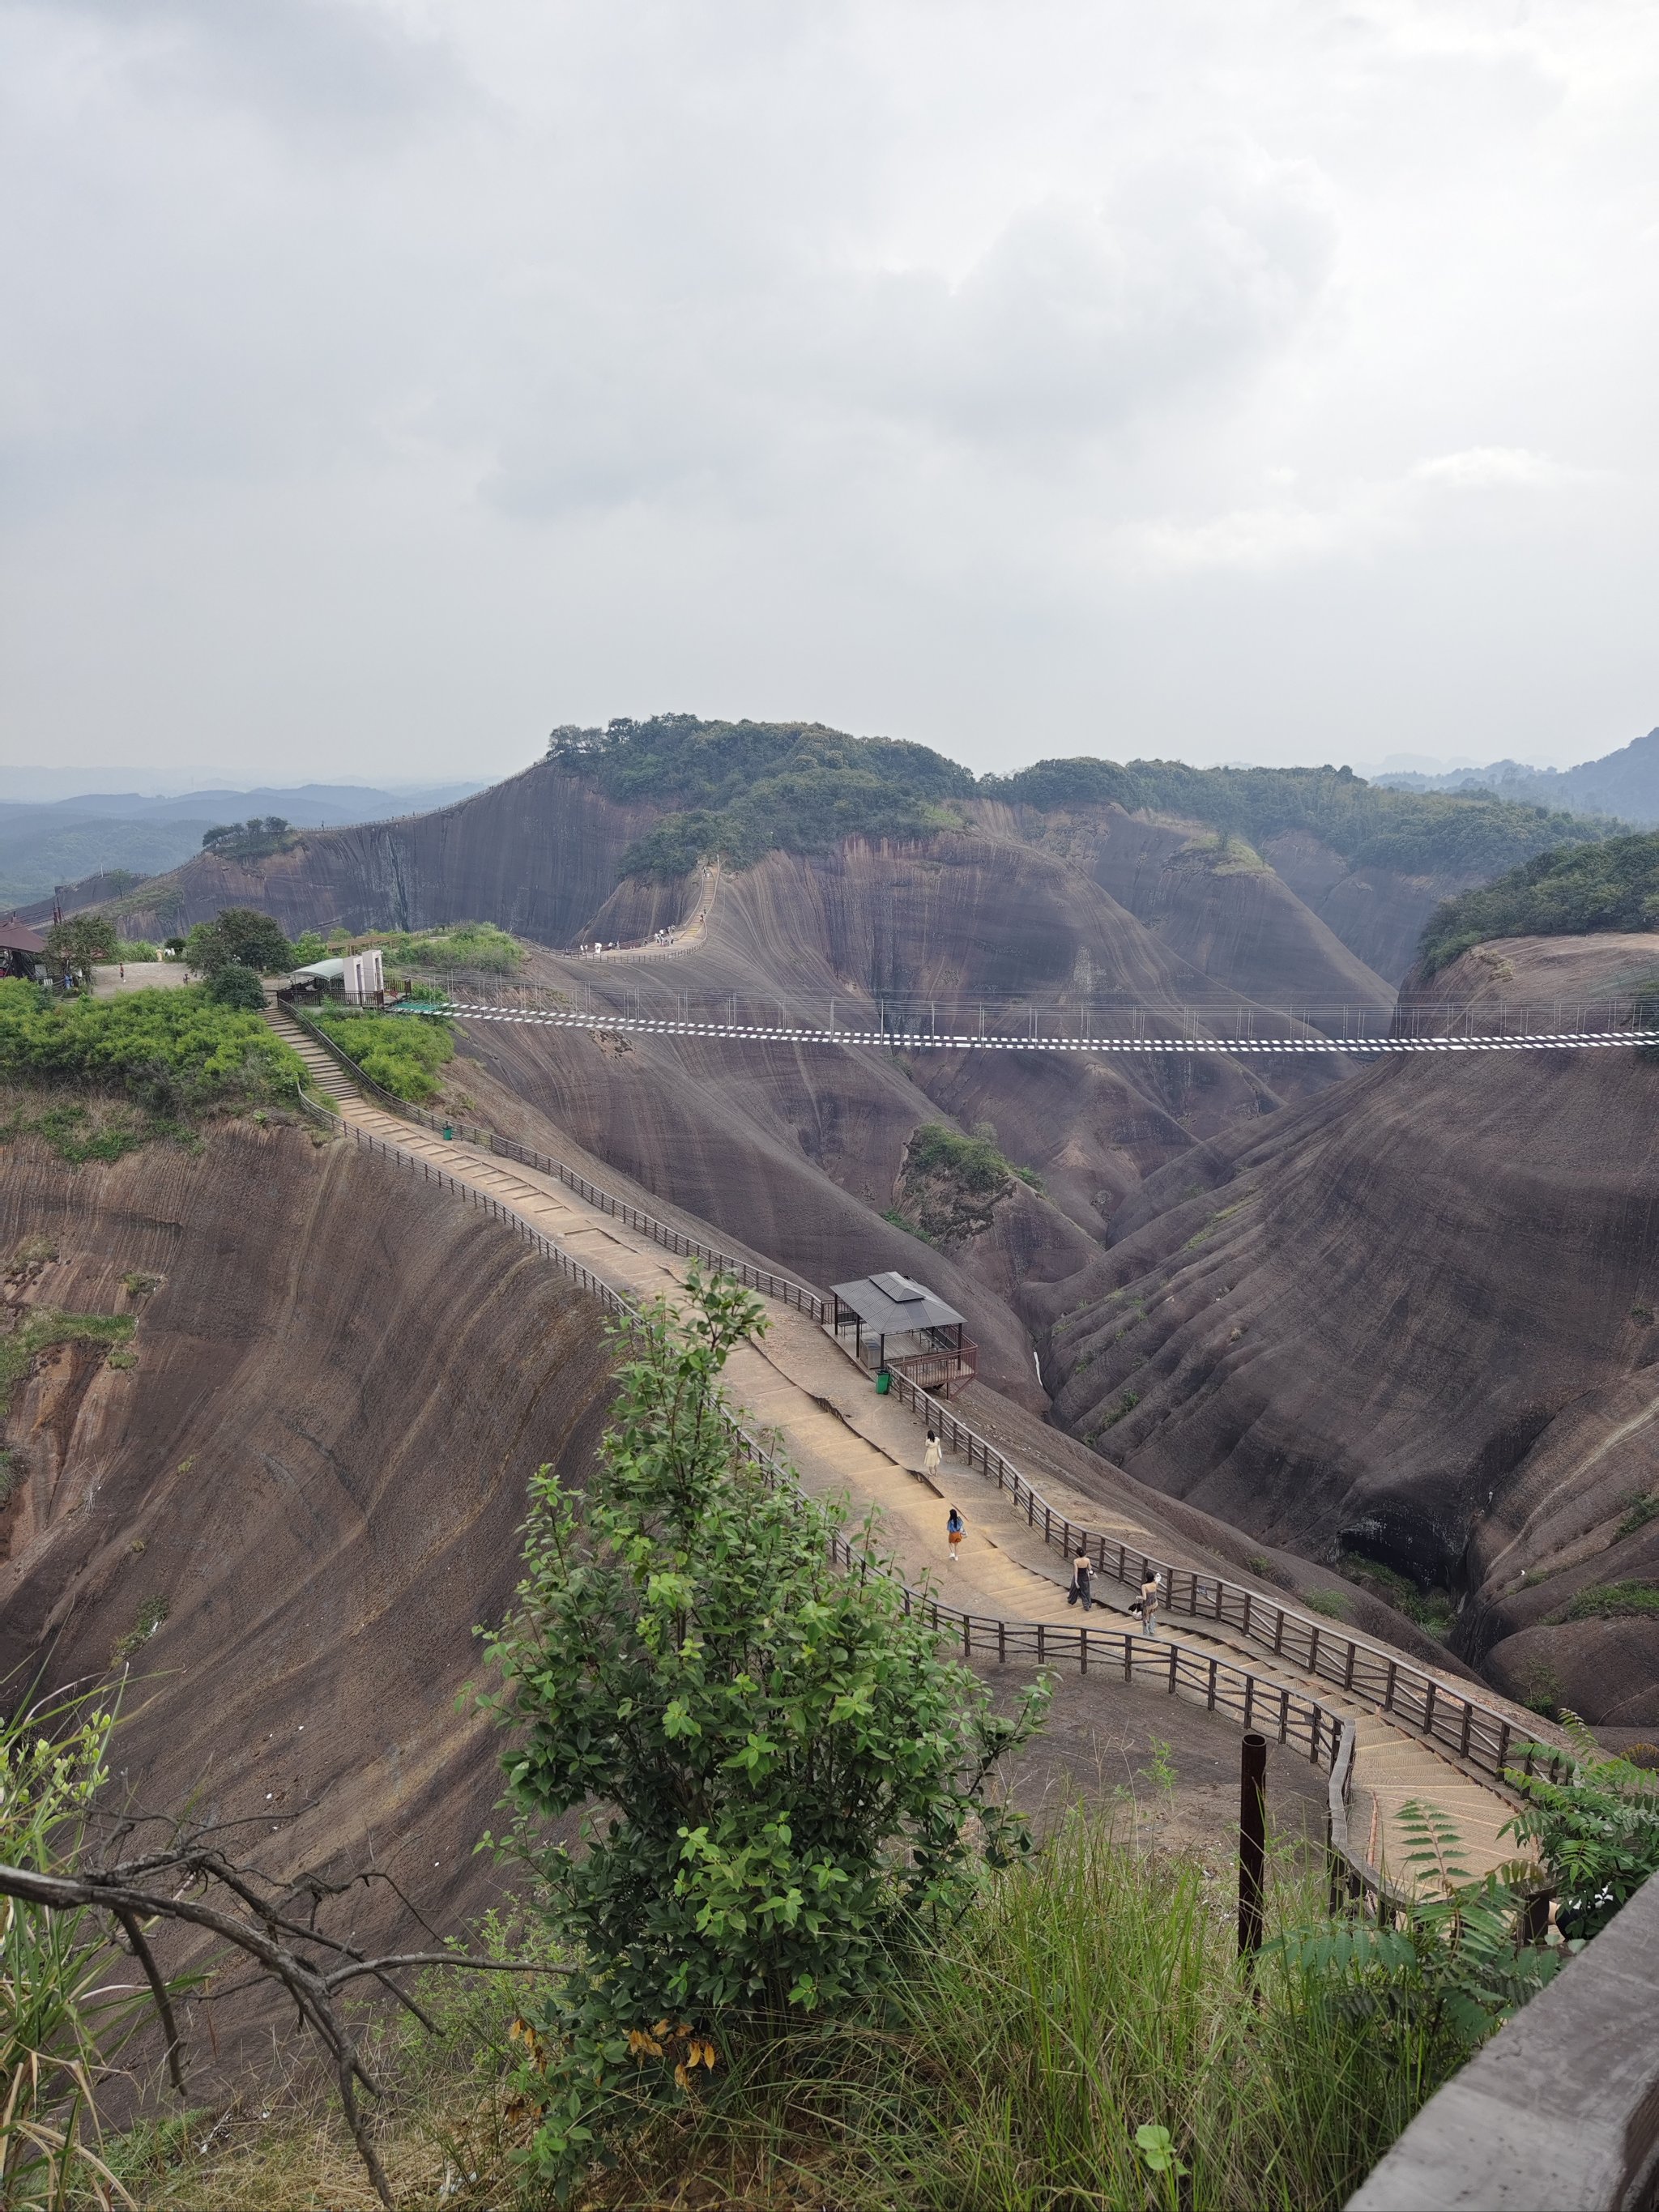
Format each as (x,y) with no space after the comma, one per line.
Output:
(742,789)
(794,1781)
(1417,833)
(1571,893)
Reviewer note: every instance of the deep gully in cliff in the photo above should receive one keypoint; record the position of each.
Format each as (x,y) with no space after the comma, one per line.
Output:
(1413,1735)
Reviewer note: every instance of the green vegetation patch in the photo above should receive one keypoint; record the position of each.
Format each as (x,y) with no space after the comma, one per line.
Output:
(1434,1610)
(403,1052)
(1419,833)
(462,945)
(1570,893)
(39,1328)
(740,790)
(950,1185)
(1611,1602)
(171,1051)
(94,1127)
(240,937)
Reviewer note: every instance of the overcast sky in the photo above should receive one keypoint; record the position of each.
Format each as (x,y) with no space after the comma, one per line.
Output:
(384,381)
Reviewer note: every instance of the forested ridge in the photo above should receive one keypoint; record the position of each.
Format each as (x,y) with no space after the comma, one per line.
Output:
(738,790)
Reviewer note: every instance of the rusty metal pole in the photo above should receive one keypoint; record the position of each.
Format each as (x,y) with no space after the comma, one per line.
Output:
(1252,1841)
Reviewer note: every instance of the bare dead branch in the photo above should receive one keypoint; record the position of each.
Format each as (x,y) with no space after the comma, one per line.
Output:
(281,1949)
(158,1990)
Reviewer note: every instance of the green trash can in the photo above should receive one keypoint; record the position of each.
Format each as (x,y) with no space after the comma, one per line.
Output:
(449,1133)
(883,1382)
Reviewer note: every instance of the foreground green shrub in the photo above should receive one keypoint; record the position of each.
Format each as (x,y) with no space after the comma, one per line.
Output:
(403,1052)
(1597,1835)
(173,1051)
(1083,2037)
(794,1781)
(235,985)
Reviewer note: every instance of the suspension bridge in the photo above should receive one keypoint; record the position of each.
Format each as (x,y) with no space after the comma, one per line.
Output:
(799,1034)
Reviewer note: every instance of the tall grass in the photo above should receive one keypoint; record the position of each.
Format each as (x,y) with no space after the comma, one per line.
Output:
(1085,2039)
(1089,2011)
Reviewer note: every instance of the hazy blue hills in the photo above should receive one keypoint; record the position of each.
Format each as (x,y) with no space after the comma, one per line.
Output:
(1625,784)
(46,842)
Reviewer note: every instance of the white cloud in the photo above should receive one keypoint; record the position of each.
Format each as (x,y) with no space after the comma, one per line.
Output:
(1496,468)
(379,370)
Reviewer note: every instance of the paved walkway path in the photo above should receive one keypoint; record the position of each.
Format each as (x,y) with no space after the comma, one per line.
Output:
(843,1437)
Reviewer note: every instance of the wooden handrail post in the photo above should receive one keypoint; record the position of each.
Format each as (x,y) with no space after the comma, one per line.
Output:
(1252,1842)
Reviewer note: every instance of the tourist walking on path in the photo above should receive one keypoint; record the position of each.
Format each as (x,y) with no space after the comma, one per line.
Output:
(933,1459)
(1083,1584)
(954,1526)
(1149,1590)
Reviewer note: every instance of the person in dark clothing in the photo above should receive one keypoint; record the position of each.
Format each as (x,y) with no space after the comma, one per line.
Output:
(1083,1582)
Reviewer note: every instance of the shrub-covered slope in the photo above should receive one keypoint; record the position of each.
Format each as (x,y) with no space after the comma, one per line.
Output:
(1561,893)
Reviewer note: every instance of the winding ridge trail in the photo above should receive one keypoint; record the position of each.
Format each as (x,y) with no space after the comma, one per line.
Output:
(842,1437)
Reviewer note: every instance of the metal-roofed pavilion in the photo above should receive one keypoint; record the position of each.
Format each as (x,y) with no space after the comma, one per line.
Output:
(900,1325)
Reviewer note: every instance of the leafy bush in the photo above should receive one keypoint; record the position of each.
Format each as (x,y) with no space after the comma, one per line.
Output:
(233,985)
(403,1052)
(77,944)
(1331,1604)
(1611,1602)
(463,945)
(1086,2037)
(136,951)
(792,1775)
(1461,1965)
(240,935)
(1573,893)
(172,1050)
(1597,1835)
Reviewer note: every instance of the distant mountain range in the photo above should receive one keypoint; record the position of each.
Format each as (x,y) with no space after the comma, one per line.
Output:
(1625,784)
(46,842)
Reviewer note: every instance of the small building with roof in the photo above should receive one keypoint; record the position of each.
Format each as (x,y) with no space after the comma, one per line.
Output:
(21,952)
(896,1323)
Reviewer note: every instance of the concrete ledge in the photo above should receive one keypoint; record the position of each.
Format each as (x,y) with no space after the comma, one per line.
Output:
(1561,2109)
